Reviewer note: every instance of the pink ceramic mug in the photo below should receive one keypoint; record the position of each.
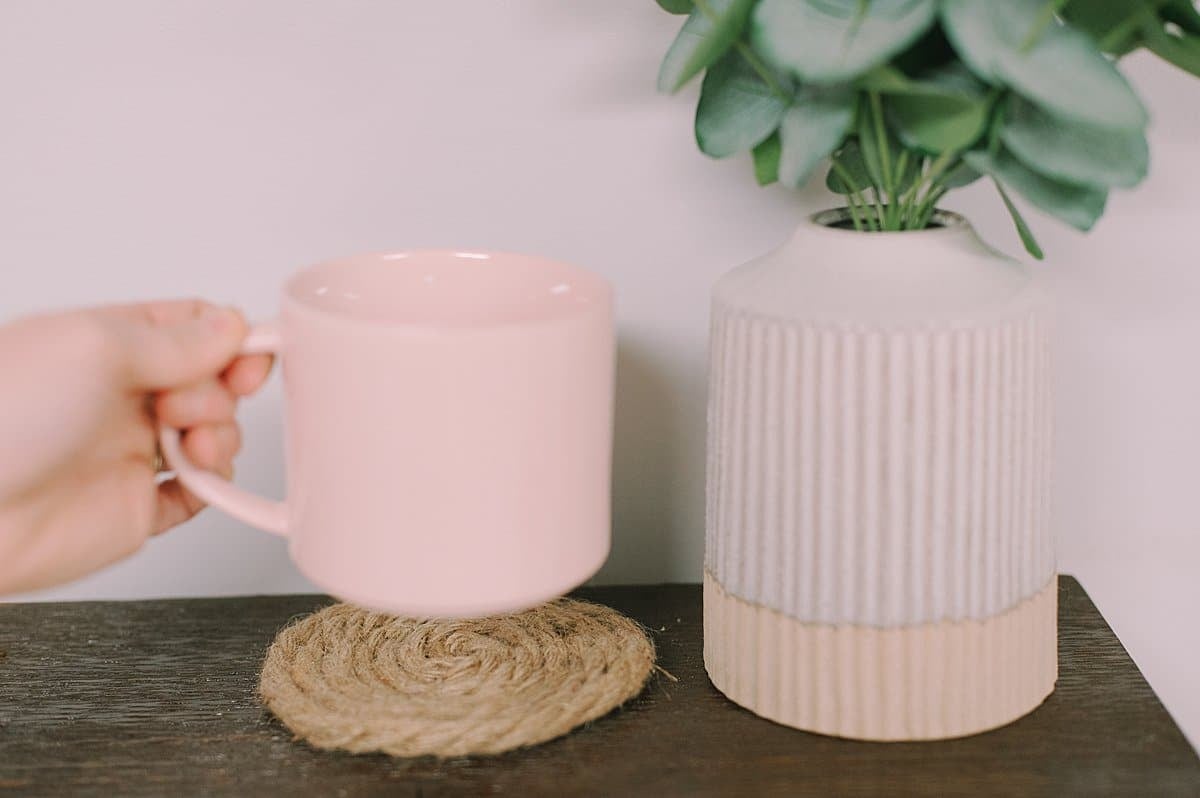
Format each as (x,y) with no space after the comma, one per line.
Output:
(449,430)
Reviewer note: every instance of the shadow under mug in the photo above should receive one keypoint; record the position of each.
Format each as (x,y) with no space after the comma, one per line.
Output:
(448,430)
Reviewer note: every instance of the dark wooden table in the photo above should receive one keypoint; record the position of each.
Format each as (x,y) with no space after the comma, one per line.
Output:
(157,698)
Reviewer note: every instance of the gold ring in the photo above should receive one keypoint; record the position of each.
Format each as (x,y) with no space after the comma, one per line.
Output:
(160,462)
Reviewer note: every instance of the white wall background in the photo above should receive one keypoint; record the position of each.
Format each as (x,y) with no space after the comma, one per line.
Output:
(189,148)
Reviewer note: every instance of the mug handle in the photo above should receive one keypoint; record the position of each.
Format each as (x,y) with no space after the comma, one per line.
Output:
(265,514)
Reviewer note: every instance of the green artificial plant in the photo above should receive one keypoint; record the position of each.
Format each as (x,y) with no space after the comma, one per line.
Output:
(908,99)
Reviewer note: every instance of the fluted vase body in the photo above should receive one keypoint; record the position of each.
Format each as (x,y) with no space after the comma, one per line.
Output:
(878,559)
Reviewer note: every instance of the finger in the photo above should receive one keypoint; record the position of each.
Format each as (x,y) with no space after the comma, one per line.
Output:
(167,311)
(247,374)
(208,402)
(177,353)
(213,445)
(176,504)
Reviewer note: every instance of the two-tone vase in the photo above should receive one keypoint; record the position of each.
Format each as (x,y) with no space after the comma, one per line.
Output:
(878,561)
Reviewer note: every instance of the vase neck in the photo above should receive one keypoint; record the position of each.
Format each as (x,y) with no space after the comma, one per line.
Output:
(829,272)
(948,233)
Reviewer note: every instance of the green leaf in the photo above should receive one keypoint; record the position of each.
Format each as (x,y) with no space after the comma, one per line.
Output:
(766,160)
(1102,19)
(1072,151)
(868,143)
(675,6)
(850,158)
(1078,206)
(810,130)
(1182,51)
(737,110)
(945,110)
(1183,13)
(887,79)
(954,77)
(833,41)
(951,78)
(938,124)
(1031,244)
(959,176)
(1063,71)
(1045,18)
(702,40)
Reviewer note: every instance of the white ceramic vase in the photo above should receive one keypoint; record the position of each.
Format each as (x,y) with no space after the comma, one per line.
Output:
(878,561)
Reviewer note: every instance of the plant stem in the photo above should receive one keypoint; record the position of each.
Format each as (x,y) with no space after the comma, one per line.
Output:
(854,196)
(996,122)
(913,209)
(885,155)
(908,200)
(880,214)
(907,208)
(1119,32)
(895,209)
(854,201)
(940,165)
(934,190)
(844,175)
(929,206)
(854,215)
(901,163)
(872,213)
(910,207)
(763,71)
(932,193)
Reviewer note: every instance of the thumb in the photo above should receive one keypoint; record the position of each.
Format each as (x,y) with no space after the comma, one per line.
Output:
(181,352)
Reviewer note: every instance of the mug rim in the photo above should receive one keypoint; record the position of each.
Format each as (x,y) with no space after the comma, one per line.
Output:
(600,286)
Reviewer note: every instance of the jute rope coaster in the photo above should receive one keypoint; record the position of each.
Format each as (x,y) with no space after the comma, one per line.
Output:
(361,681)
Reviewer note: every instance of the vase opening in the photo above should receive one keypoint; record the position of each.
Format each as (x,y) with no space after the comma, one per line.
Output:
(842,219)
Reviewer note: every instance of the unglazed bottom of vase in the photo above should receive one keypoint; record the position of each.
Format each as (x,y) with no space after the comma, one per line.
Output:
(925,682)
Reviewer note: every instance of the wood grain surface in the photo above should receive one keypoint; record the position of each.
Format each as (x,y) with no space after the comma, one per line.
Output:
(158,698)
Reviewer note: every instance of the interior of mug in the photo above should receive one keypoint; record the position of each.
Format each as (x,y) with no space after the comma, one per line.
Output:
(447,288)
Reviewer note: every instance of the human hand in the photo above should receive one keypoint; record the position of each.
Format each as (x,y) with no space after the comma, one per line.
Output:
(82,395)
